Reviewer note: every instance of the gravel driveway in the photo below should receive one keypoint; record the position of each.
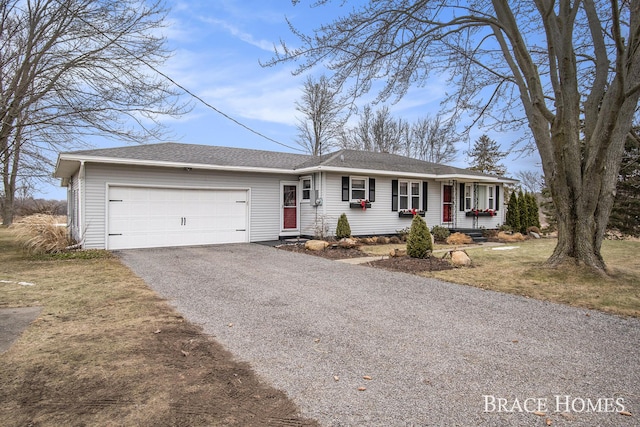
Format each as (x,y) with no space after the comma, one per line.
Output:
(436,353)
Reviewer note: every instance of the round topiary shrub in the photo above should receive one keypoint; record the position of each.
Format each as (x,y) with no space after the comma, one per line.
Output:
(419,243)
(343,229)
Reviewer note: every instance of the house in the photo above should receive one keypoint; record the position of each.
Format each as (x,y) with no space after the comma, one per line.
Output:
(172,194)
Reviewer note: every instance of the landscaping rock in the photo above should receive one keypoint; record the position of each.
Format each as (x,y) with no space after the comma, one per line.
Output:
(534,235)
(348,243)
(460,258)
(316,245)
(397,252)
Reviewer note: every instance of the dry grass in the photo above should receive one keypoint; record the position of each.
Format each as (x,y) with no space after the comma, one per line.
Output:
(40,233)
(459,239)
(510,238)
(521,271)
(106,350)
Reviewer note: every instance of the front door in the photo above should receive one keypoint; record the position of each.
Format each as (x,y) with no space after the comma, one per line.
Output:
(289,207)
(447,203)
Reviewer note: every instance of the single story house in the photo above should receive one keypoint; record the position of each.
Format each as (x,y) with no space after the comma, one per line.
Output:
(173,194)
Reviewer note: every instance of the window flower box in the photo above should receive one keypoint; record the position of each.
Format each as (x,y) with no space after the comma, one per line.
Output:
(362,204)
(486,212)
(409,213)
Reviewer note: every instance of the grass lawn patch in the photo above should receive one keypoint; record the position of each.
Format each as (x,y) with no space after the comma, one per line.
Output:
(521,271)
(106,350)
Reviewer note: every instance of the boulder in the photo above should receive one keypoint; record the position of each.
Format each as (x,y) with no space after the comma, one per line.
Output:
(316,245)
(460,258)
(534,234)
(397,252)
(348,243)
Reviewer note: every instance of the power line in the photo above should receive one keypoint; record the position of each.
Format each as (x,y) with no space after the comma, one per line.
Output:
(193,95)
(187,91)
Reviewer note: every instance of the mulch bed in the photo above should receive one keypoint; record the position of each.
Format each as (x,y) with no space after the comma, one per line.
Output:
(412,265)
(405,264)
(331,252)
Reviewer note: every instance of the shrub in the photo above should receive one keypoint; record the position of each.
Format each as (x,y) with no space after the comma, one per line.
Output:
(42,234)
(459,239)
(395,240)
(343,229)
(419,243)
(440,233)
(403,233)
(510,238)
(382,240)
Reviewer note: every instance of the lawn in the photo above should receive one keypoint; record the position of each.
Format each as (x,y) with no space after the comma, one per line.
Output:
(520,270)
(106,350)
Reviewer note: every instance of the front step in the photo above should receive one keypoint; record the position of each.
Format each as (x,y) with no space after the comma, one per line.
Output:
(474,233)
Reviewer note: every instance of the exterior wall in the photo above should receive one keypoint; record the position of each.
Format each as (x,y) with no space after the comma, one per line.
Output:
(264,207)
(381,219)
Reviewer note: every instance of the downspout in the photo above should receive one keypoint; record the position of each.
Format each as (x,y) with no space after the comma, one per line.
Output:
(80,221)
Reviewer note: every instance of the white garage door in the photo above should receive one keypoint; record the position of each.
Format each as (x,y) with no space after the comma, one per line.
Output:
(155,217)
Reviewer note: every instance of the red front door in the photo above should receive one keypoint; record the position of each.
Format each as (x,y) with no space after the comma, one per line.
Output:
(447,203)
(290,207)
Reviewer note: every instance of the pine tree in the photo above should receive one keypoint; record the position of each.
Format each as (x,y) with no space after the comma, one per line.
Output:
(419,243)
(485,157)
(513,213)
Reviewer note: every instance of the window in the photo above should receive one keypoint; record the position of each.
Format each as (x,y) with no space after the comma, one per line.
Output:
(409,195)
(491,199)
(482,197)
(467,197)
(306,188)
(358,188)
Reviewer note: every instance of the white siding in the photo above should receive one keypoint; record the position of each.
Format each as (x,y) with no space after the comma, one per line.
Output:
(380,219)
(264,189)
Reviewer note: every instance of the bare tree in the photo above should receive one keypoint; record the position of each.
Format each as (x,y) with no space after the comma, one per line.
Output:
(566,71)
(531,181)
(72,69)
(322,118)
(432,140)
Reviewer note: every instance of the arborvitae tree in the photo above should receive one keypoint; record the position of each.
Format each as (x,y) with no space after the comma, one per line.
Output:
(533,215)
(513,213)
(419,243)
(343,229)
(625,215)
(522,209)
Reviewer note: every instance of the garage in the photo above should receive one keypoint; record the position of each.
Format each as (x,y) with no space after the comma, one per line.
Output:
(145,217)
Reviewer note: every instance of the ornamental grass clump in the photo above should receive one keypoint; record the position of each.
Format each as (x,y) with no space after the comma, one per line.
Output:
(343,230)
(42,234)
(419,243)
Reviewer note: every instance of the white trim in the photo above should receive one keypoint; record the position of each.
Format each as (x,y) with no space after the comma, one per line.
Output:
(62,158)
(289,231)
(365,189)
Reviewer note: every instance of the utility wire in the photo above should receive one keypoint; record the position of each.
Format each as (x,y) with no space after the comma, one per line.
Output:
(181,87)
(193,95)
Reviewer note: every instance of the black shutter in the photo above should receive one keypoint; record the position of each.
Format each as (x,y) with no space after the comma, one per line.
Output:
(462,197)
(394,195)
(372,189)
(345,189)
(425,193)
(497,197)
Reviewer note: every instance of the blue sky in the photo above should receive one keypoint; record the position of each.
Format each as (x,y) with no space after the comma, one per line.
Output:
(217,48)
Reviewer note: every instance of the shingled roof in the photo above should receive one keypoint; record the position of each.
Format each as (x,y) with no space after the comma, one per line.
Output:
(176,154)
